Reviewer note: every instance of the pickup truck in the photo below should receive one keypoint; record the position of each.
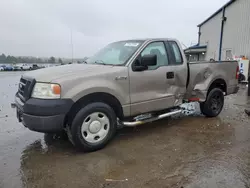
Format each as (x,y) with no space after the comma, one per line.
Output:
(126,83)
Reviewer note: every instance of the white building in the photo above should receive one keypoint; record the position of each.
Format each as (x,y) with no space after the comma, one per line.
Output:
(225,34)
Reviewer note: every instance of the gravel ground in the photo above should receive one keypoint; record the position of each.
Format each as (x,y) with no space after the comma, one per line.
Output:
(191,151)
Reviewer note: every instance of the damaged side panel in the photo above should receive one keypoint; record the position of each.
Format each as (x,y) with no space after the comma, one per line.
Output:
(203,74)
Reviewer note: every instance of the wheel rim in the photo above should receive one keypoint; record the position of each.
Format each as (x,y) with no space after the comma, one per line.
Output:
(216,103)
(95,127)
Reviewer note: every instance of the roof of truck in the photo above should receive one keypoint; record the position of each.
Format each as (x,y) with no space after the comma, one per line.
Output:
(148,39)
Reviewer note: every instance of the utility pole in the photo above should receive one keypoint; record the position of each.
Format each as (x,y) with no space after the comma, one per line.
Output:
(72,47)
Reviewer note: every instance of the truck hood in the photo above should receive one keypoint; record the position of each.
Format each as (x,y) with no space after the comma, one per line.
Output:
(55,73)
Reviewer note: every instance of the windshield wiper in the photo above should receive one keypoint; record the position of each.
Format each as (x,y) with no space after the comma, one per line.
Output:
(100,62)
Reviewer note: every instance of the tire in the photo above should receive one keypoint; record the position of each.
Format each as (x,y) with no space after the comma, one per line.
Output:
(214,103)
(93,127)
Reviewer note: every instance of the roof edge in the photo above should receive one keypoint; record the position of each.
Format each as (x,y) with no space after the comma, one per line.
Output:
(217,12)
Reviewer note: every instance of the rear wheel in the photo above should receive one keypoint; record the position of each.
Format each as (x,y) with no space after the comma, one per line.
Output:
(214,103)
(93,126)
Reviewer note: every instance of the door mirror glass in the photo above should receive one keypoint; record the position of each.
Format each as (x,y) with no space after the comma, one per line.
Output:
(137,66)
(149,60)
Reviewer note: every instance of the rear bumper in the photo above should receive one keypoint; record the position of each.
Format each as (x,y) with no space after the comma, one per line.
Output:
(42,115)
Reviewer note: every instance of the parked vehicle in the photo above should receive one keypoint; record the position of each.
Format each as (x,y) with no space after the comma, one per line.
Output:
(1,69)
(128,83)
(26,67)
(17,67)
(8,67)
(35,66)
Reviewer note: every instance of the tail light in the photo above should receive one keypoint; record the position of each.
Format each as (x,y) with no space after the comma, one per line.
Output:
(237,72)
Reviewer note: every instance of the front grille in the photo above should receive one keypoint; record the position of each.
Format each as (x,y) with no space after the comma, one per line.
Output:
(25,88)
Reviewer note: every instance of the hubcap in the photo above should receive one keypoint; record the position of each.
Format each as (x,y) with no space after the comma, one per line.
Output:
(95,127)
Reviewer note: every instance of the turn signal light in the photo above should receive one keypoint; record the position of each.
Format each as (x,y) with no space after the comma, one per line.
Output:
(56,89)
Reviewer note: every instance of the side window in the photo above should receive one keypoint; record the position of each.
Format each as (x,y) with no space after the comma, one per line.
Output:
(176,53)
(157,48)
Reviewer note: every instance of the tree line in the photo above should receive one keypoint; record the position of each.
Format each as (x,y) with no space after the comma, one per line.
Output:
(23,60)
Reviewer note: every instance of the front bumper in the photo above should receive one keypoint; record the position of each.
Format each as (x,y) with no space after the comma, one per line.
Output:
(43,115)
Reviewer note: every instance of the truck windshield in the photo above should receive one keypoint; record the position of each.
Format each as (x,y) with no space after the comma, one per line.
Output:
(117,53)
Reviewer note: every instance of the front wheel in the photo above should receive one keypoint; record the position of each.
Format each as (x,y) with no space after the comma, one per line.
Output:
(214,103)
(93,127)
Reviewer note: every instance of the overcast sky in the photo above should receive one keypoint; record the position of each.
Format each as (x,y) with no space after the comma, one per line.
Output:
(42,27)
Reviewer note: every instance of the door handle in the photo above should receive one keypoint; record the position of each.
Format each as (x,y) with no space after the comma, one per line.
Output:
(170,75)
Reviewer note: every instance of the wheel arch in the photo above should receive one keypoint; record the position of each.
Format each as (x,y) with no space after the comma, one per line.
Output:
(106,98)
(218,83)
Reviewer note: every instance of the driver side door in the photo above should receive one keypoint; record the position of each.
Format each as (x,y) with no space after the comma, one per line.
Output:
(148,88)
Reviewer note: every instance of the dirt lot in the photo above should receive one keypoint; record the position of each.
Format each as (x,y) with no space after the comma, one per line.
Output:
(184,152)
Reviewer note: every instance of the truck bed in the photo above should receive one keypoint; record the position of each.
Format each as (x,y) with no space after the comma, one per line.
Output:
(202,74)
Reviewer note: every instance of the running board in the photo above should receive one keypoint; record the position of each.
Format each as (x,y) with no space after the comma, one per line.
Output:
(136,123)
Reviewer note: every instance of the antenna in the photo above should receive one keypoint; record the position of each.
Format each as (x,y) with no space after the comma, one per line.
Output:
(72,47)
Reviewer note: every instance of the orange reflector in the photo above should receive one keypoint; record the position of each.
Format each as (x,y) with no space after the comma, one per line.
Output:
(194,99)
(56,89)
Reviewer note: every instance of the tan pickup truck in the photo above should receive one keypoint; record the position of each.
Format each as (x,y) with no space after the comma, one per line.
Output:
(128,83)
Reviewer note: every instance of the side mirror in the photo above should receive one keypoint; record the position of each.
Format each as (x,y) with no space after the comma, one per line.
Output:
(136,66)
(149,60)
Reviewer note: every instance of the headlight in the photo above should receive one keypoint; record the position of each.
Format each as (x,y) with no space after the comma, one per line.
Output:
(46,91)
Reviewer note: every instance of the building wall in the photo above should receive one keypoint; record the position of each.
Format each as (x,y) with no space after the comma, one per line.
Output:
(202,57)
(236,36)
(210,36)
(237,29)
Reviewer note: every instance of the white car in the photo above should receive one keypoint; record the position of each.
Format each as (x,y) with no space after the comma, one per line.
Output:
(26,67)
(1,69)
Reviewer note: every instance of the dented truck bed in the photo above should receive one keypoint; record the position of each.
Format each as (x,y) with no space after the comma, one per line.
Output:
(203,73)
